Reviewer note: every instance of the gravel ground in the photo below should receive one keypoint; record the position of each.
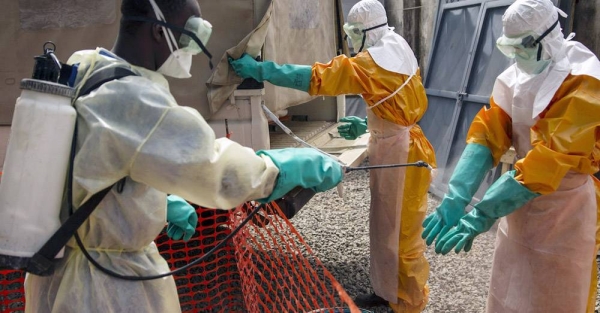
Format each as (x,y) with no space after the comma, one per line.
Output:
(337,230)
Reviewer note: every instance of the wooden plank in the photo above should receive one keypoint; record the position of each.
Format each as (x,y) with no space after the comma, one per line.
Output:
(323,135)
(508,159)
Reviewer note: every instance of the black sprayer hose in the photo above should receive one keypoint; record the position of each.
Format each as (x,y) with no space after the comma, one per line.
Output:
(177,271)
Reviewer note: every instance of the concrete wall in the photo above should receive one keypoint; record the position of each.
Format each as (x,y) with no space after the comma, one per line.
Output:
(586,24)
(415,21)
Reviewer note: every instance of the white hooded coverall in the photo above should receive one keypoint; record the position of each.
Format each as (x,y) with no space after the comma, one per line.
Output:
(133,127)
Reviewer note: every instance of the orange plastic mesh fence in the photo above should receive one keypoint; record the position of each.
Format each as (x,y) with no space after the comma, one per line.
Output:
(11,291)
(267,267)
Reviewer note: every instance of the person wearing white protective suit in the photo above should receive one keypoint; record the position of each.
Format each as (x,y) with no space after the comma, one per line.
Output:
(132,127)
(547,106)
(386,74)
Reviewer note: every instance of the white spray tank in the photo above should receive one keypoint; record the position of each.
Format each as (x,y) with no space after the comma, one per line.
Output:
(36,163)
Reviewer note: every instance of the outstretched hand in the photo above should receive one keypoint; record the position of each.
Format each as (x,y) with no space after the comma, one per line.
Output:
(246,67)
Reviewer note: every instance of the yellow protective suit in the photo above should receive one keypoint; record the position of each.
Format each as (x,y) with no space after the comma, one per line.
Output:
(545,251)
(134,128)
(399,270)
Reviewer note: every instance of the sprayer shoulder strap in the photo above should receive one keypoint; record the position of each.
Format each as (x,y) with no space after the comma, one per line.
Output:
(43,259)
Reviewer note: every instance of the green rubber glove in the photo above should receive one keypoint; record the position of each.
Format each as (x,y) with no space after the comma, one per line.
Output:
(182,218)
(353,128)
(302,167)
(505,196)
(475,161)
(287,75)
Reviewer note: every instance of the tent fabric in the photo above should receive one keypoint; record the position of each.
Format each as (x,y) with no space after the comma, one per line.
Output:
(292,31)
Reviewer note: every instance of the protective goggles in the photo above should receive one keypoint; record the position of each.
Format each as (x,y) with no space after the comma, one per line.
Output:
(194,34)
(358,33)
(525,46)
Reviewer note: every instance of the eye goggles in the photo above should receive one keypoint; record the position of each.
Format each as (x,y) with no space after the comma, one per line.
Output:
(194,34)
(524,46)
(199,27)
(358,33)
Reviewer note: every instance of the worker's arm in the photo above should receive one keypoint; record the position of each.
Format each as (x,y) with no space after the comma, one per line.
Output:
(181,156)
(566,138)
(285,75)
(342,75)
(492,128)
(356,75)
(133,127)
(489,137)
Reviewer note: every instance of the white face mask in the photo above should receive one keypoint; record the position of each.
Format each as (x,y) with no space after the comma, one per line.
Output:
(178,65)
(179,62)
(531,66)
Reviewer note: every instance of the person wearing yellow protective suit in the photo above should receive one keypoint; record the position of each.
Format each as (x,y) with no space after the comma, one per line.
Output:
(547,106)
(385,72)
(132,127)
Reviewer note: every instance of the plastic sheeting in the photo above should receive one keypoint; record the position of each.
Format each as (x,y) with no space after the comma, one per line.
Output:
(301,32)
(223,82)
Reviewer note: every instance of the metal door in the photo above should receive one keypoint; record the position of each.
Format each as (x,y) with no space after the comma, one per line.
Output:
(464,64)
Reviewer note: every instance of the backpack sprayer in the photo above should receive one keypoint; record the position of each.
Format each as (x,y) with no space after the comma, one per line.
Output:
(36,162)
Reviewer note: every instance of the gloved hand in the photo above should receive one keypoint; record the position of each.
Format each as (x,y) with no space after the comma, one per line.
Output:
(502,198)
(182,218)
(354,127)
(302,167)
(474,162)
(287,75)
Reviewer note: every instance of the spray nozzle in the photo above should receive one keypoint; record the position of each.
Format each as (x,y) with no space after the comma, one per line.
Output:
(47,66)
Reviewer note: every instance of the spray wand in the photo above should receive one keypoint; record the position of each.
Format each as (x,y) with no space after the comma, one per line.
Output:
(374,167)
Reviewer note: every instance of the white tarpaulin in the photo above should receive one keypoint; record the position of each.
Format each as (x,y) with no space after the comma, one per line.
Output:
(298,32)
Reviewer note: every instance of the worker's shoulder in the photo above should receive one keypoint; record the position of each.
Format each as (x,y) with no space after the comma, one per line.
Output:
(135,90)
(584,86)
(364,58)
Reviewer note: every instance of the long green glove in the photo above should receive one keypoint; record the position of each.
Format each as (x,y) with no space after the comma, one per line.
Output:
(353,128)
(302,167)
(504,197)
(474,163)
(182,218)
(287,75)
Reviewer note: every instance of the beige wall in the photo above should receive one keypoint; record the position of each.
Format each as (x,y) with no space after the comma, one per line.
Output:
(428,17)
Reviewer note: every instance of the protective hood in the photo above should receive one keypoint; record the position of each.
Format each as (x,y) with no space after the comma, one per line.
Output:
(533,92)
(393,54)
(513,88)
(369,13)
(536,17)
